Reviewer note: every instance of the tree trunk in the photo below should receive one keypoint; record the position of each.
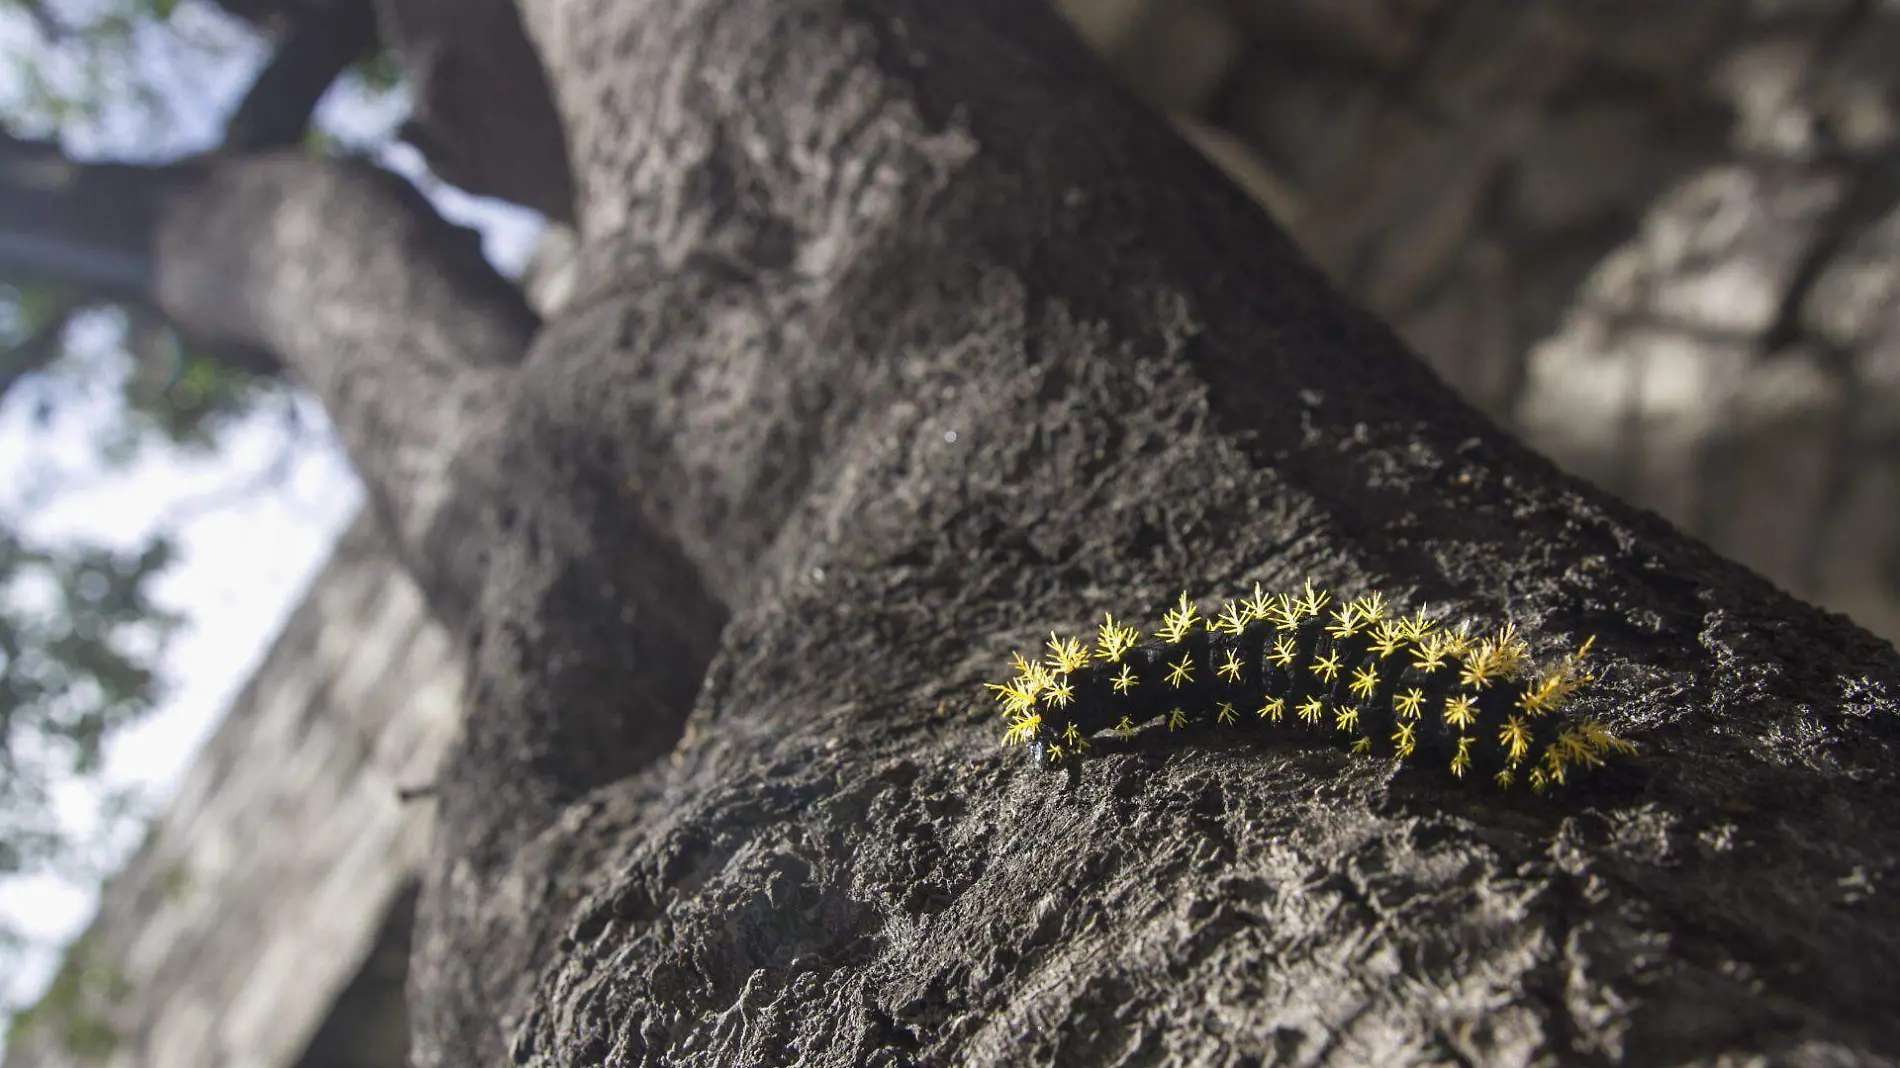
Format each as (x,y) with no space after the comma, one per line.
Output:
(904,338)
(347,277)
(332,270)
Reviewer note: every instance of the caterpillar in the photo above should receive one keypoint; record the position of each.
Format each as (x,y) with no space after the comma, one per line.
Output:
(1383,683)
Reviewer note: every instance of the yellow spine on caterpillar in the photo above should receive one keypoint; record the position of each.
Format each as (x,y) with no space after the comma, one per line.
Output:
(1393,684)
(1364,681)
(1388,637)
(1179,621)
(1430,652)
(1113,641)
(1259,605)
(1404,740)
(1312,601)
(1346,621)
(1284,652)
(1284,613)
(1066,655)
(1407,704)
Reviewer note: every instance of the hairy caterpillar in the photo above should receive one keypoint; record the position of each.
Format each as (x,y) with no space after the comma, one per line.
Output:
(1382,683)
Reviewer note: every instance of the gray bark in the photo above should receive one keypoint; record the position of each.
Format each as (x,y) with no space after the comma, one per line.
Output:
(332,270)
(385,312)
(482,116)
(903,338)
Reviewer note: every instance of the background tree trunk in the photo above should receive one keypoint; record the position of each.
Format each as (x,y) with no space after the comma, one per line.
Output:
(907,338)
(1654,242)
(347,278)
(482,117)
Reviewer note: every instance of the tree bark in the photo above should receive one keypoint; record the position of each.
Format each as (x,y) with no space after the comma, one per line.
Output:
(318,45)
(482,116)
(73,225)
(480,113)
(903,338)
(388,314)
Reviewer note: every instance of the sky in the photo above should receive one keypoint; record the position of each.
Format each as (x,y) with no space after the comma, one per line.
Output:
(246,555)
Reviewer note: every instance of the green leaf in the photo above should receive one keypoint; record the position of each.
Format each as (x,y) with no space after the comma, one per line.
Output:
(76,1009)
(80,642)
(380,71)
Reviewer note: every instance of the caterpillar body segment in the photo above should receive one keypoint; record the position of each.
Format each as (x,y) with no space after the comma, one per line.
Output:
(1352,673)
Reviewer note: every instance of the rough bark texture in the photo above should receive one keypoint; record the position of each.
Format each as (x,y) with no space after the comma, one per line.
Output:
(901,337)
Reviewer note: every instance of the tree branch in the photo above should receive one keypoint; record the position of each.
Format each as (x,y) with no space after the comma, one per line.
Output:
(482,117)
(319,45)
(383,310)
(90,226)
(273,18)
(51,26)
(340,273)
(80,226)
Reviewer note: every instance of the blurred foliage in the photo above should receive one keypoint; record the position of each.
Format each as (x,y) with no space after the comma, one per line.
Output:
(78,1004)
(129,60)
(80,639)
(81,636)
(77,72)
(174,393)
(180,394)
(380,72)
(80,642)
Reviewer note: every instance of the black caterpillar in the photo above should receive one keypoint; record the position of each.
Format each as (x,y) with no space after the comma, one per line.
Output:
(1384,684)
